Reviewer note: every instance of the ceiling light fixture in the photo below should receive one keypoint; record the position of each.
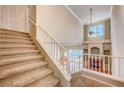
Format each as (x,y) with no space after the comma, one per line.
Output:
(91,33)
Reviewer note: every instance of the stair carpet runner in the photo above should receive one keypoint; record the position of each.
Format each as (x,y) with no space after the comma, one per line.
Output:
(21,64)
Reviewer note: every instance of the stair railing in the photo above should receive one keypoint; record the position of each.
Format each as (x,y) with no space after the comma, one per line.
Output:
(55,50)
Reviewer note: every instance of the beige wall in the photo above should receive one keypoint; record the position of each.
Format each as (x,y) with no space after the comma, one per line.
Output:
(60,24)
(107,29)
(85,32)
(21,20)
(118,30)
(117,34)
(32,12)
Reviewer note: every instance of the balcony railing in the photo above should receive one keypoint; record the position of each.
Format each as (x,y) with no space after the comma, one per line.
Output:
(103,64)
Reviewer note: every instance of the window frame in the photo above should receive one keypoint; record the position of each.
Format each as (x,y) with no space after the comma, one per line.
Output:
(75,52)
(98,37)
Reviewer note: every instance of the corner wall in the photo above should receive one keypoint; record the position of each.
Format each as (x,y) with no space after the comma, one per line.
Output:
(117,35)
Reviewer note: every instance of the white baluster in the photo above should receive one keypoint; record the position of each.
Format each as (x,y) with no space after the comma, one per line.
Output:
(108,65)
(54,51)
(82,62)
(85,63)
(92,62)
(99,63)
(74,65)
(95,63)
(79,62)
(88,63)
(103,64)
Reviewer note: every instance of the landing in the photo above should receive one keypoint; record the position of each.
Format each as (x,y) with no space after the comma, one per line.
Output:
(85,79)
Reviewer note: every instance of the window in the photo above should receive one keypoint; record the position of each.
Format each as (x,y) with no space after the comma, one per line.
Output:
(98,32)
(74,53)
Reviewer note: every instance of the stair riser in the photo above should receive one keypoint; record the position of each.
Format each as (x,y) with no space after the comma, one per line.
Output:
(18,56)
(14,33)
(16,46)
(15,41)
(16,49)
(17,53)
(14,37)
(5,33)
(7,62)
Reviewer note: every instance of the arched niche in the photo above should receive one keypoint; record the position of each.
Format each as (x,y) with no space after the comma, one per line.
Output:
(95,50)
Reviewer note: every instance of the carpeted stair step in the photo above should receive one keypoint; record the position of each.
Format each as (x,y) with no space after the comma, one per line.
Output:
(49,81)
(5,61)
(14,37)
(14,69)
(14,45)
(21,63)
(9,32)
(10,52)
(11,40)
(25,78)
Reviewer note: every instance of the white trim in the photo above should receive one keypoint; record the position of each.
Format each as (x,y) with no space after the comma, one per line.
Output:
(111,8)
(70,10)
(97,41)
(71,44)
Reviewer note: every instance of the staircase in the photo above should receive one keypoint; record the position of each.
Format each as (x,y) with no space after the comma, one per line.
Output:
(21,63)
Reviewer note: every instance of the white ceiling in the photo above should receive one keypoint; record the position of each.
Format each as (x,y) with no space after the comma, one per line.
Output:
(82,12)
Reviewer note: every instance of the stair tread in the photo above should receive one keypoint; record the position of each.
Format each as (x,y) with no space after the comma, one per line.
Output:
(11,45)
(49,81)
(14,37)
(25,78)
(13,69)
(10,40)
(10,32)
(9,52)
(5,61)
(18,56)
